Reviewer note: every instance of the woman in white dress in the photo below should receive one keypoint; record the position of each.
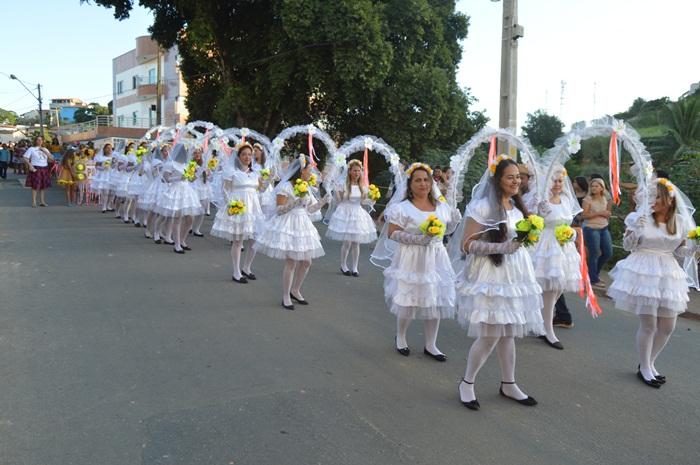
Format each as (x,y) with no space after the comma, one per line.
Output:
(99,183)
(498,296)
(291,235)
(239,182)
(203,187)
(649,282)
(350,222)
(268,203)
(178,201)
(557,267)
(419,283)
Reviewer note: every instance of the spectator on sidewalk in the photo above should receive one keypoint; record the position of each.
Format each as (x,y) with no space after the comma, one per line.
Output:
(37,159)
(18,158)
(4,160)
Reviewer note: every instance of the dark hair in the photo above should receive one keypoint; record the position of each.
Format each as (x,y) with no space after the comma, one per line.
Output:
(262,151)
(35,138)
(297,173)
(252,153)
(597,176)
(501,234)
(661,174)
(409,194)
(582,183)
(66,156)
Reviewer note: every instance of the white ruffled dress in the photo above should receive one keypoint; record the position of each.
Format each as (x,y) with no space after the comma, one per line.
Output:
(291,235)
(268,201)
(152,187)
(243,186)
(350,221)
(134,184)
(119,177)
(203,185)
(557,267)
(97,183)
(504,300)
(420,282)
(650,281)
(177,197)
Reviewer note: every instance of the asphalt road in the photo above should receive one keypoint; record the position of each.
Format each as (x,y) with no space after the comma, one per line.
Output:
(116,351)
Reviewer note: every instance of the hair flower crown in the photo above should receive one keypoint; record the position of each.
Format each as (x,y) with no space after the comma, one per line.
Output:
(668,185)
(417,165)
(499,159)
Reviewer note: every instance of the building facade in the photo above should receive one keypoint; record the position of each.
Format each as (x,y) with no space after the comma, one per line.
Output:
(138,99)
(64,109)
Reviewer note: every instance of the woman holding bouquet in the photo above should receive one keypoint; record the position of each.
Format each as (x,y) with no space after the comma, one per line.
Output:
(649,282)
(498,296)
(350,222)
(291,235)
(556,261)
(419,283)
(236,219)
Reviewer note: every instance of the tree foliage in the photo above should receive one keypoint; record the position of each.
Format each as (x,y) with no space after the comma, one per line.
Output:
(90,112)
(683,119)
(542,129)
(384,67)
(8,116)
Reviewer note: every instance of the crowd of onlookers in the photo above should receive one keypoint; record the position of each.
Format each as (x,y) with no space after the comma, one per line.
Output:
(12,154)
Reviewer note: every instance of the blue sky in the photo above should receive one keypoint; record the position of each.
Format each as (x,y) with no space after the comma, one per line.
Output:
(627,48)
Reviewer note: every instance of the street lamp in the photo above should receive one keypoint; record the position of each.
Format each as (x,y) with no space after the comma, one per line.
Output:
(38,88)
(511,32)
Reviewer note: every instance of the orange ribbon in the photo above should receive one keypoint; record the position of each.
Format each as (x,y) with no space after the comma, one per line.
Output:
(206,141)
(311,150)
(176,138)
(585,288)
(365,162)
(492,151)
(226,148)
(614,169)
(242,140)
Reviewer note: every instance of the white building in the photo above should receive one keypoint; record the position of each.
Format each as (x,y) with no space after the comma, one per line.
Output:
(135,77)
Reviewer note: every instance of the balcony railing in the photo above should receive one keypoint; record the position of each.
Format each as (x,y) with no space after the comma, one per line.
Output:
(107,121)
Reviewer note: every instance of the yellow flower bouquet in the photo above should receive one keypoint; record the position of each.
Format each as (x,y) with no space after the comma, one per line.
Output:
(564,234)
(442,199)
(433,227)
(312,180)
(265,174)
(301,188)
(529,229)
(374,193)
(190,172)
(694,234)
(212,164)
(235,207)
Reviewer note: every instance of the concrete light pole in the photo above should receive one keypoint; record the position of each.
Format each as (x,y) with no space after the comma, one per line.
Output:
(38,88)
(508,103)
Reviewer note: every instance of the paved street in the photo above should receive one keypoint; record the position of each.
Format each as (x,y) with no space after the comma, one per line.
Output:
(116,351)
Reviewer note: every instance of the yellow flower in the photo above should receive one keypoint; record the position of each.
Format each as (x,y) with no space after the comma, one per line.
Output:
(564,233)
(523,226)
(432,218)
(536,221)
(533,237)
(212,163)
(442,199)
(434,230)
(312,180)
(265,173)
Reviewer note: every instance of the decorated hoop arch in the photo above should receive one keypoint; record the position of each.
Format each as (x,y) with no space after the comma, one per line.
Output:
(620,134)
(361,143)
(245,134)
(459,162)
(312,131)
(221,140)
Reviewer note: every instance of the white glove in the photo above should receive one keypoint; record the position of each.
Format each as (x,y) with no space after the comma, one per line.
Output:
(492,248)
(403,237)
(544,208)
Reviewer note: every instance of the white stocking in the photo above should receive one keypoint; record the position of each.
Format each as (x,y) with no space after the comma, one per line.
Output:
(249,256)
(355,250)
(168,229)
(550,299)
(506,356)
(287,278)
(198,220)
(177,227)
(402,325)
(478,354)
(236,258)
(344,249)
(300,272)
(431,331)
(184,229)
(664,329)
(645,343)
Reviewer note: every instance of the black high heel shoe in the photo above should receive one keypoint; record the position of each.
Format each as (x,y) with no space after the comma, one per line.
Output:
(528,401)
(287,307)
(556,345)
(298,300)
(649,382)
(346,273)
(179,251)
(405,351)
(438,357)
(250,276)
(241,280)
(472,404)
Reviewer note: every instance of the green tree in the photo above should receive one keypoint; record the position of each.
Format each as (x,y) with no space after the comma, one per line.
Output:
(542,129)
(383,67)
(90,112)
(683,119)
(7,117)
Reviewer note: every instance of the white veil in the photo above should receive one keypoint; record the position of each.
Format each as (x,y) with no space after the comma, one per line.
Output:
(567,196)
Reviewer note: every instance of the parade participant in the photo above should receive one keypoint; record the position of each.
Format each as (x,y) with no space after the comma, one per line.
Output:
(597,210)
(649,282)
(132,185)
(498,296)
(290,234)
(557,263)
(37,160)
(100,181)
(350,222)
(240,211)
(419,283)
(147,201)
(203,187)
(81,178)
(178,201)
(67,176)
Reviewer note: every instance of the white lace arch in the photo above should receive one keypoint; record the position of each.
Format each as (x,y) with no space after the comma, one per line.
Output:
(568,145)
(459,162)
(316,133)
(358,144)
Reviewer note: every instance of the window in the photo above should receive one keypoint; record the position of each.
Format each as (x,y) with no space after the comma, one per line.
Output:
(152,76)
(120,87)
(120,121)
(134,118)
(134,82)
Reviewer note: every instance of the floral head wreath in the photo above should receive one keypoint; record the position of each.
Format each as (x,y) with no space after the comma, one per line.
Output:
(499,159)
(355,162)
(242,146)
(669,186)
(417,165)
(257,145)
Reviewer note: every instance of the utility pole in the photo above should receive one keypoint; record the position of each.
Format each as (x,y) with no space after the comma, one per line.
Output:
(561,100)
(511,32)
(41,116)
(158,90)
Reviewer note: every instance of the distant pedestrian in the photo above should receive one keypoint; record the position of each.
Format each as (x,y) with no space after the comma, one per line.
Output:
(67,178)
(18,158)
(4,160)
(37,159)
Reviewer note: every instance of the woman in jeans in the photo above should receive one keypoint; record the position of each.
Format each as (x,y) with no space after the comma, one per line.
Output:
(596,215)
